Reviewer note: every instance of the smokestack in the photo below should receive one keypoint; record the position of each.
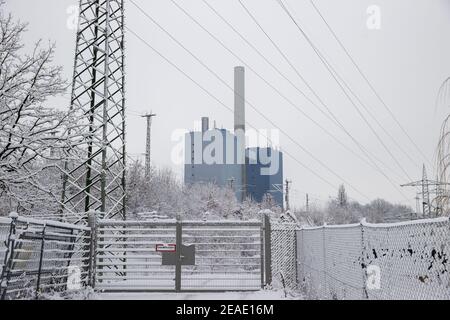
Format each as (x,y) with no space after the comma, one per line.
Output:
(205,124)
(239,124)
(239,98)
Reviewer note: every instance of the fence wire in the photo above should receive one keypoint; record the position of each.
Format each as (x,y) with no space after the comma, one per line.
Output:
(376,261)
(5,227)
(283,255)
(39,255)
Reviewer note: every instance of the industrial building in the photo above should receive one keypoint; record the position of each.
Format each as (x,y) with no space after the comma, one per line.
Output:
(223,168)
(259,183)
(221,157)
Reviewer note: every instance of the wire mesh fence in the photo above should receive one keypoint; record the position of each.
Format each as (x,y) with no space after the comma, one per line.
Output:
(40,256)
(283,255)
(5,227)
(375,261)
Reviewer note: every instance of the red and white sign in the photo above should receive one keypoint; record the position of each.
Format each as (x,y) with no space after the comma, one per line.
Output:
(166,247)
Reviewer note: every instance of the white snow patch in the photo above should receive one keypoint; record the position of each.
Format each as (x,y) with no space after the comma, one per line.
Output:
(208,296)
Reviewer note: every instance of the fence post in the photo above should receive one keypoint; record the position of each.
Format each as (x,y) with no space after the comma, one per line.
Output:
(303,258)
(179,240)
(365,294)
(263,255)
(41,256)
(92,223)
(324,247)
(268,249)
(296,257)
(6,272)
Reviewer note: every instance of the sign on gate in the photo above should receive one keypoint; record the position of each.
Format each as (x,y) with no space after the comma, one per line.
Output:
(185,258)
(166,248)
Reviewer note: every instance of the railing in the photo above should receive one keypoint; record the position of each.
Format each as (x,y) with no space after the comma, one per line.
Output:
(39,257)
(376,261)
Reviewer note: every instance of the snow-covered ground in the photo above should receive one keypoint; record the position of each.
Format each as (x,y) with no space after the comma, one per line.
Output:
(90,294)
(258,295)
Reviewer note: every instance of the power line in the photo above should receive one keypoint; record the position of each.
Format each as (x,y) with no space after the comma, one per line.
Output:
(364,150)
(333,73)
(397,144)
(250,104)
(370,157)
(369,83)
(292,84)
(219,101)
(368,154)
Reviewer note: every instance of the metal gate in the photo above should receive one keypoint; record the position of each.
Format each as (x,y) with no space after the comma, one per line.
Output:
(179,256)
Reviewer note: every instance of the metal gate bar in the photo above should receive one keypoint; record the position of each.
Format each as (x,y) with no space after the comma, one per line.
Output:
(127,259)
(228,256)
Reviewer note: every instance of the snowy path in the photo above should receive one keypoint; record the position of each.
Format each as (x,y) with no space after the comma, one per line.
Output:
(258,295)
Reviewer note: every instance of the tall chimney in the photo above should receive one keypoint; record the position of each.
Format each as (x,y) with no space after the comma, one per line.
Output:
(239,124)
(239,98)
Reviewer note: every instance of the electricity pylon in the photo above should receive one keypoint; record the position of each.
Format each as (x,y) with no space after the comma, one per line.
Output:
(425,184)
(149,118)
(94,172)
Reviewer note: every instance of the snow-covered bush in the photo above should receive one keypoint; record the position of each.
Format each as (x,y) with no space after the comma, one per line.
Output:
(163,194)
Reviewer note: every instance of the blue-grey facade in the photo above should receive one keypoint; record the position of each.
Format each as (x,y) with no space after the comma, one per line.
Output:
(211,156)
(264,170)
(221,157)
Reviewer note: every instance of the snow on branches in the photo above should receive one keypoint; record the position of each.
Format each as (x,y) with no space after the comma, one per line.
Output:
(31,135)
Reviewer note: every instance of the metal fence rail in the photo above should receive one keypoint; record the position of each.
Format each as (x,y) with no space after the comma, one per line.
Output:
(223,256)
(376,261)
(37,256)
(228,256)
(126,256)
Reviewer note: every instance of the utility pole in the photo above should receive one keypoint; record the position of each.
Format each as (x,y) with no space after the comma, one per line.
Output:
(288,182)
(149,117)
(307,203)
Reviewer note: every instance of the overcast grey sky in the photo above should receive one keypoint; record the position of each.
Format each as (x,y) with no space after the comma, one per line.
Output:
(406,60)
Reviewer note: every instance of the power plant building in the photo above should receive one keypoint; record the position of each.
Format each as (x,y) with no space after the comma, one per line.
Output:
(262,177)
(220,166)
(221,157)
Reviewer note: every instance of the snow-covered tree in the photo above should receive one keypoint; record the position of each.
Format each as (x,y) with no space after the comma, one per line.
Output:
(164,195)
(31,135)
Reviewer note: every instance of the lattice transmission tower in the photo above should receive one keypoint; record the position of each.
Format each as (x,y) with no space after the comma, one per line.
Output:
(430,207)
(94,172)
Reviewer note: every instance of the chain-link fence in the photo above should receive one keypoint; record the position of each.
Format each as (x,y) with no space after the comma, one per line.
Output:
(376,261)
(283,255)
(5,227)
